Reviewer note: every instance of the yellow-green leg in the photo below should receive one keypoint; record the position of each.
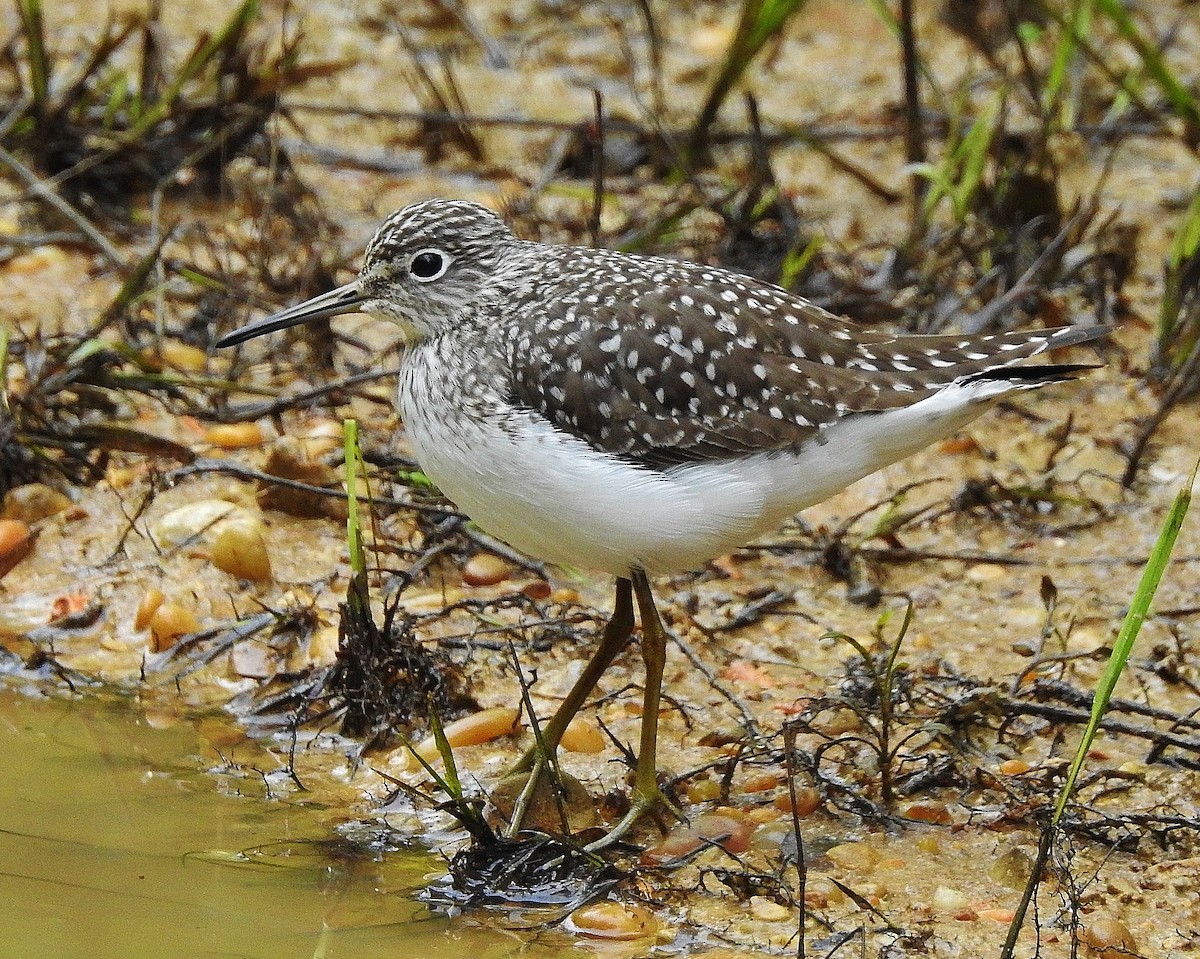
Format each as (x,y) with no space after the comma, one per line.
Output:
(646,794)
(614,639)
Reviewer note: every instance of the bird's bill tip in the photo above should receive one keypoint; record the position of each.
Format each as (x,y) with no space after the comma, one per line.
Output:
(345,299)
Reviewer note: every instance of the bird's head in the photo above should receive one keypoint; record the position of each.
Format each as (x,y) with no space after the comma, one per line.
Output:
(425,263)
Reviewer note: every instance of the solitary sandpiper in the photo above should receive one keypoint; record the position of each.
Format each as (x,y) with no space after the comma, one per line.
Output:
(637,415)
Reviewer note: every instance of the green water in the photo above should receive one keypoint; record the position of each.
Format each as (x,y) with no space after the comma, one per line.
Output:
(115,842)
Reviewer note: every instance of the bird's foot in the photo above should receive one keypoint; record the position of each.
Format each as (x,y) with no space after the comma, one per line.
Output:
(644,800)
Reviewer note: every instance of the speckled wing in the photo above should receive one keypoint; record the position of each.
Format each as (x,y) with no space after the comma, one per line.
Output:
(677,363)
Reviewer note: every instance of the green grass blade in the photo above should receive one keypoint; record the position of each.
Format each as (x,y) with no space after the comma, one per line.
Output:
(759,21)
(1078,25)
(1187,237)
(354,463)
(1138,609)
(1180,98)
(1176,337)
(4,337)
(205,52)
(1152,575)
(34,30)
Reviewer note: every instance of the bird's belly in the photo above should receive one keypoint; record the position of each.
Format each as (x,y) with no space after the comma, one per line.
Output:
(551,495)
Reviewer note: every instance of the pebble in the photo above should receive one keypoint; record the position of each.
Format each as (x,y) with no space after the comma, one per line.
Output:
(169,622)
(612,920)
(151,600)
(288,459)
(727,828)
(771,835)
(1108,938)
(480,727)
(808,801)
(537,589)
(485,569)
(182,356)
(37,259)
(16,542)
(768,910)
(987,572)
(1014,767)
(68,604)
(934,812)
(32,502)
(854,855)
(759,815)
(233,436)
(950,900)
(240,549)
(1011,869)
(582,735)
(703,790)
(760,783)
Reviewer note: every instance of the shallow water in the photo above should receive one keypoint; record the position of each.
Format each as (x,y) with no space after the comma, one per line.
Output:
(115,841)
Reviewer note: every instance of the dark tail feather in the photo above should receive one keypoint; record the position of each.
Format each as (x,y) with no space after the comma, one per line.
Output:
(1036,375)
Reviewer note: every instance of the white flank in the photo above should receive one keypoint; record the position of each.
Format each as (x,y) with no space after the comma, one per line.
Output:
(556,498)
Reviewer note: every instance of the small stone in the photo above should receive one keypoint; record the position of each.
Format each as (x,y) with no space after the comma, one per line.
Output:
(987,572)
(480,727)
(760,783)
(232,436)
(582,735)
(240,549)
(929,845)
(726,828)
(854,855)
(16,542)
(934,812)
(946,899)
(151,600)
(1014,767)
(1108,938)
(287,459)
(169,622)
(68,604)
(703,790)
(485,569)
(613,920)
(193,520)
(1011,869)
(807,801)
(537,589)
(762,814)
(546,807)
(32,502)
(182,356)
(768,910)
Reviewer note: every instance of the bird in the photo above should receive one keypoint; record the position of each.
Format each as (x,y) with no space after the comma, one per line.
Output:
(639,415)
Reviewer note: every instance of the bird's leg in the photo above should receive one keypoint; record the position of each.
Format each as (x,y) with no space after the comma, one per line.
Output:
(646,794)
(614,639)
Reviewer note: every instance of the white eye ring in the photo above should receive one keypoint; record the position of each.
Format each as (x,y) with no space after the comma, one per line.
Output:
(429,264)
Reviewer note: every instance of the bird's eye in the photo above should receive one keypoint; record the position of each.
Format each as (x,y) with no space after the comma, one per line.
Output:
(429,265)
